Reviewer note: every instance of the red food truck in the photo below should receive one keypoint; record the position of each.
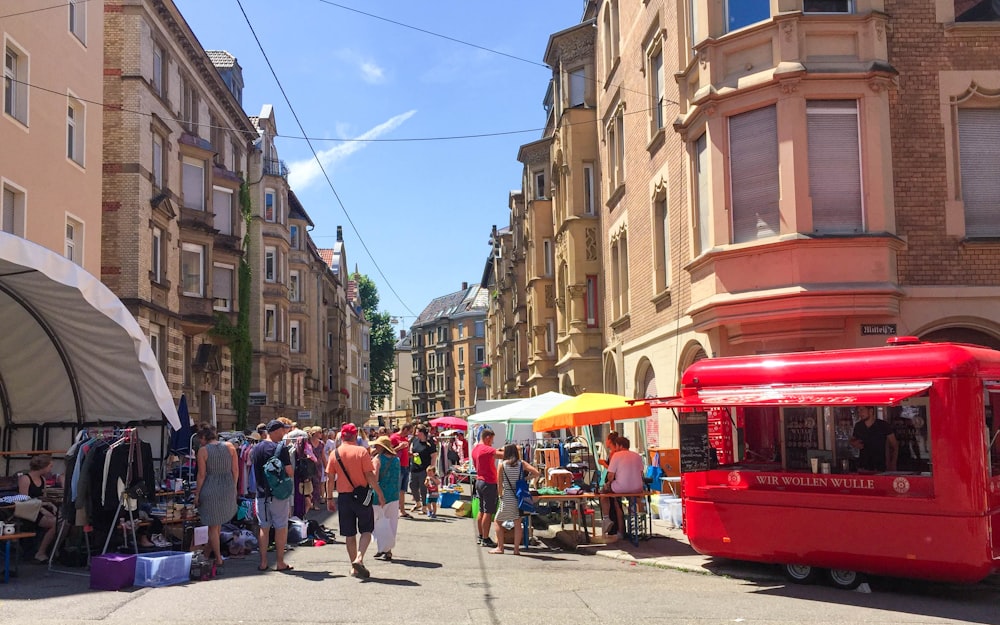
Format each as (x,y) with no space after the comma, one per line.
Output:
(795,489)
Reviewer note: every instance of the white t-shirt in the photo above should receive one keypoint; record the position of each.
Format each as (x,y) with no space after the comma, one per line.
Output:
(627,466)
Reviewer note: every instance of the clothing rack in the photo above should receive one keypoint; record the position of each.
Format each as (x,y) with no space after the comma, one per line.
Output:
(125,500)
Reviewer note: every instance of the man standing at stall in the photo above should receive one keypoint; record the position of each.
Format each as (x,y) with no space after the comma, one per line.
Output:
(272,512)
(875,441)
(484,460)
(423,454)
(350,469)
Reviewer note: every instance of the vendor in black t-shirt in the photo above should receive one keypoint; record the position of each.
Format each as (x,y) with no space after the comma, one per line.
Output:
(875,441)
(423,454)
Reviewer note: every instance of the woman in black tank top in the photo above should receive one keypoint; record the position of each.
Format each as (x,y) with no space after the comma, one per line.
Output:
(32,484)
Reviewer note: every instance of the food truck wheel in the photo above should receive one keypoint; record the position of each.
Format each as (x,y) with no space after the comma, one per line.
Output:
(844,579)
(800,573)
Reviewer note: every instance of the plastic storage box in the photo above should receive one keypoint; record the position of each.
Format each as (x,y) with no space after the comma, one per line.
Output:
(112,571)
(445,500)
(162,568)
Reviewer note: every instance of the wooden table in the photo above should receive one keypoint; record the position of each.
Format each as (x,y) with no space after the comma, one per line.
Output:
(631,517)
(8,540)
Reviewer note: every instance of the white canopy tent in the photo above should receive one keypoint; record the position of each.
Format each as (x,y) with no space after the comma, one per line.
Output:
(71,354)
(518,413)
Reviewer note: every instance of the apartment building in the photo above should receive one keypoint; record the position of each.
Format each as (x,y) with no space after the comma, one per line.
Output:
(397,408)
(506,317)
(176,143)
(336,333)
(51,127)
(357,376)
(448,352)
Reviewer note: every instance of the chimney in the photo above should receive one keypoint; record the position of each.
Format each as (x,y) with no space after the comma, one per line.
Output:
(402,334)
(340,234)
(465,286)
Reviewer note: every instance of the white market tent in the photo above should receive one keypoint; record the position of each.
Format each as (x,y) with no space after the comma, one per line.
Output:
(518,413)
(71,354)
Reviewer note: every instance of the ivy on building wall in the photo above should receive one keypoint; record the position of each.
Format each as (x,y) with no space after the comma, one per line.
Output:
(238,336)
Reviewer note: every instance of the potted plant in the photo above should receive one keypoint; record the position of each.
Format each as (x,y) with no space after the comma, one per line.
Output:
(485,369)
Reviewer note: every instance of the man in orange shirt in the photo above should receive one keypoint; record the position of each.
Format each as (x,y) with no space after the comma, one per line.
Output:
(350,467)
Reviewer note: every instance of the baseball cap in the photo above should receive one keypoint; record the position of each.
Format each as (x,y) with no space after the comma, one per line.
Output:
(349,431)
(275,425)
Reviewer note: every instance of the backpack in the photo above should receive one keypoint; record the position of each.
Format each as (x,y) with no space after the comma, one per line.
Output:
(305,468)
(278,481)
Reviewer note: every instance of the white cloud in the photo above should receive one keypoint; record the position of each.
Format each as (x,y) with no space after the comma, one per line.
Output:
(369,70)
(371,73)
(304,173)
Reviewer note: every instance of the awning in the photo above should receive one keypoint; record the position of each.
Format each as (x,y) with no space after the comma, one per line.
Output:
(70,352)
(855,394)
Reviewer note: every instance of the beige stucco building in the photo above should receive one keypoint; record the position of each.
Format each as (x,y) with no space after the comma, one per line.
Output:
(51,126)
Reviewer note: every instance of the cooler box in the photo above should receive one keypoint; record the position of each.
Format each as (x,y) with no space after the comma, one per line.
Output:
(445,499)
(162,568)
(112,571)
(671,510)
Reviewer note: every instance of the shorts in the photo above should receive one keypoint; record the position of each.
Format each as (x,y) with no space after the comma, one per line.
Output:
(489,496)
(272,512)
(429,499)
(404,478)
(354,517)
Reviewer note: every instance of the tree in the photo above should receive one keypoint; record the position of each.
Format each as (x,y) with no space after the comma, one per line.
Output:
(382,342)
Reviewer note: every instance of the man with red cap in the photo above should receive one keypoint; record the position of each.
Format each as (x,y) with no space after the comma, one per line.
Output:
(349,469)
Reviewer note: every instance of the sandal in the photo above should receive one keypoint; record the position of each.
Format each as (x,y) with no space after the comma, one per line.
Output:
(359,568)
(263,568)
(387,556)
(284,569)
(498,552)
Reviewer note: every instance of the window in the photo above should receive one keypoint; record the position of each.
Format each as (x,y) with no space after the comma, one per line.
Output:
(693,22)
(158,143)
(329,340)
(834,166)
(616,150)
(827,6)
(74,240)
(577,86)
(155,265)
(480,331)
(591,301)
(293,336)
(461,356)
(610,28)
(270,319)
(189,106)
(740,13)
(270,263)
(269,205)
(222,205)
(547,258)
(293,286)
(193,183)
(588,189)
(15,84)
(656,88)
(78,19)
(293,237)
(156,343)
(704,214)
(192,264)
(222,286)
(753,157)
(979,161)
(661,244)
(480,354)
(539,185)
(159,62)
(550,337)
(619,277)
(76,124)
(461,330)
(12,217)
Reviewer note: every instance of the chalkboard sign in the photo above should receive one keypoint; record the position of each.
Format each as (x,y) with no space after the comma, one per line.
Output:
(695,449)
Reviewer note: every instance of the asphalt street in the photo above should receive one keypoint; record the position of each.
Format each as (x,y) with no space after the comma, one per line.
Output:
(439,575)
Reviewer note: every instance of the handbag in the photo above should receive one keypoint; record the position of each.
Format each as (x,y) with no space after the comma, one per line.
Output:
(654,472)
(361,494)
(525,502)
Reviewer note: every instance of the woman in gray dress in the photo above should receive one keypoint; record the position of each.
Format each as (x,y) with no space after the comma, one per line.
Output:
(215,494)
(511,469)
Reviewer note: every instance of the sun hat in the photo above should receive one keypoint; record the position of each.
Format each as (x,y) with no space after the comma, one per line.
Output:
(385,443)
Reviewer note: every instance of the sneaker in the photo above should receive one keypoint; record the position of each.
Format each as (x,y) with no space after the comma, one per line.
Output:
(479,540)
(488,542)
(379,554)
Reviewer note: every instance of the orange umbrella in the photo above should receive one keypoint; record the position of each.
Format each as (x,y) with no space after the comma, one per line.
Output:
(590,409)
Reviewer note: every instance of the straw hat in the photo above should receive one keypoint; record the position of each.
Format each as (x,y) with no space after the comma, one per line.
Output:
(385,443)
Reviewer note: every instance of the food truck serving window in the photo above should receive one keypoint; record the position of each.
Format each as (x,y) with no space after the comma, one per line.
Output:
(991,401)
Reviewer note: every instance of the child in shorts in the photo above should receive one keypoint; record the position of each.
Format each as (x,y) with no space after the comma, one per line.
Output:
(433,484)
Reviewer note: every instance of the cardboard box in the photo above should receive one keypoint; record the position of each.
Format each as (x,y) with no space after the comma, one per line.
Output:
(462,508)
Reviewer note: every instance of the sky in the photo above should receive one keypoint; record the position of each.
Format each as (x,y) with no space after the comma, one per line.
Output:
(417,215)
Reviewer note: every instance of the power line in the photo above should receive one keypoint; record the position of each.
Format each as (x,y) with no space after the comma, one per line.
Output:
(54,6)
(315,154)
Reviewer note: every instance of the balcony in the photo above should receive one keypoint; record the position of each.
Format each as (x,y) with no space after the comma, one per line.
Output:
(275,167)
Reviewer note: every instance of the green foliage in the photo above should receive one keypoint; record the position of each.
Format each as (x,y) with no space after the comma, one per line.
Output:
(382,342)
(238,336)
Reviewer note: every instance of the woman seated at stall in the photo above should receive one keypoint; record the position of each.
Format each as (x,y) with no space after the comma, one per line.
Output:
(32,484)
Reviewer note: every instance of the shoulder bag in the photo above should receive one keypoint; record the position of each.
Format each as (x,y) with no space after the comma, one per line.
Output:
(525,502)
(361,494)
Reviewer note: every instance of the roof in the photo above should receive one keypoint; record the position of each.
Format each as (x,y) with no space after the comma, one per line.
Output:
(404,344)
(327,256)
(471,300)
(221,59)
(296,211)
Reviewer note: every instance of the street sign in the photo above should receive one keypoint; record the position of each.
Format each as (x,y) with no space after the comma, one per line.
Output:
(305,415)
(878,328)
(258,399)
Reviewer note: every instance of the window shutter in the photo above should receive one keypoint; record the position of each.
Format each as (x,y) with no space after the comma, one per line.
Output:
(753,158)
(194,185)
(704,207)
(576,87)
(222,283)
(835,167)
(979,152)
(222,204)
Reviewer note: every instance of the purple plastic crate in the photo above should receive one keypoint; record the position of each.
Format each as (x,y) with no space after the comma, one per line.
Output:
(112,571)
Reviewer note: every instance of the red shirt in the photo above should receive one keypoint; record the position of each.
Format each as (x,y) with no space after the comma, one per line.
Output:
(484,459)
(404,454)
(357,461)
